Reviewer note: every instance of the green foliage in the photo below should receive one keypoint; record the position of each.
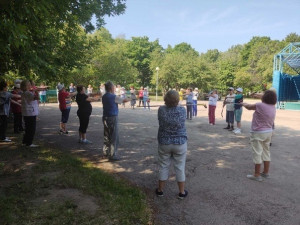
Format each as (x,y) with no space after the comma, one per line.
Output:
(46,36)
(139,51)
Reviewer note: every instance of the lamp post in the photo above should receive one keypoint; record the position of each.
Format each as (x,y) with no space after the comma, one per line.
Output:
(157,69)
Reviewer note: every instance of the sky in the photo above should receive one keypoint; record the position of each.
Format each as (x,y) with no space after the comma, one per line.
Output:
(206,24)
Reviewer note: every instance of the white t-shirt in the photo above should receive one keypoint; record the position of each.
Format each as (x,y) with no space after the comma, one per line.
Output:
(229,102)
(195,95)
(213,100)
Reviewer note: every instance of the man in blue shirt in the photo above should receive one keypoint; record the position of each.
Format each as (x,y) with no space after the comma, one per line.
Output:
(110,121)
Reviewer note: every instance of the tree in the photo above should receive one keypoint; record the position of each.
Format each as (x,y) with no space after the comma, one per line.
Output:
(292,37)
(139,51)
(185,48)
(31,31)
(110,62)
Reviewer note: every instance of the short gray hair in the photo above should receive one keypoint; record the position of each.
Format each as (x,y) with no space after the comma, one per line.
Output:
(109,86)
(171,98)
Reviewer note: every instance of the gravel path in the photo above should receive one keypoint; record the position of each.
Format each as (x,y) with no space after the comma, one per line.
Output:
(217,164)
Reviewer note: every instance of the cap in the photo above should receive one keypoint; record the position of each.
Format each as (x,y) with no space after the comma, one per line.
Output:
(239,89)
(196,89)
(231,88)
(60,87)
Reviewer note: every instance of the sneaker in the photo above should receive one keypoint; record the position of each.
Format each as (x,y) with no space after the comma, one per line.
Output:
(6,140)
(237,131)
(265,175)
(86,141)
(228,127)
(183,196)
(252,177)
(33,146)
(159,193)
(63,131)
(231,129)
(114,158)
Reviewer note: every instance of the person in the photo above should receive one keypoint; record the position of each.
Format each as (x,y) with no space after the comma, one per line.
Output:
(212,104)
(181,94)
(172,142)
(195,98)
(141,96)
(89,90)
(43,93)
(102,90)
(30,110)
(146,98)
(16,108)
(64,99)
(57,91)
(261,133)
(5,99)
(238,110)
(189,103)
(123,94)
(72,88)
(84,111)
(110,121)
(118,90)
(229,100)
(132,97)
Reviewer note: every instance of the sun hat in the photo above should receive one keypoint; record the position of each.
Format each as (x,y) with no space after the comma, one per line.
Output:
(60,87)
(196,89)
(239,90)
(231,88)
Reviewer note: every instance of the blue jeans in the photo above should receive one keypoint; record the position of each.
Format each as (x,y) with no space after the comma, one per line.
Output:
(146,102)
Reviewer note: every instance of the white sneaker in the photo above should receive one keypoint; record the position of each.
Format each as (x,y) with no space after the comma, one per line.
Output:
(33,146)
(6,140)
(238,131)
(86,141)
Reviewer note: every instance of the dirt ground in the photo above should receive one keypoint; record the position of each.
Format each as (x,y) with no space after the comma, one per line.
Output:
(216,168)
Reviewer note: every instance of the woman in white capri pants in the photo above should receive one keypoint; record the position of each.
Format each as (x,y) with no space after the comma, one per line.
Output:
(172,142)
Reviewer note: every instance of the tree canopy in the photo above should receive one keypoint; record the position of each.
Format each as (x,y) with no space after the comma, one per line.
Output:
(55,41)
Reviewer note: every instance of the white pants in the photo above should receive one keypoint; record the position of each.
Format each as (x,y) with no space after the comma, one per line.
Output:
(178,154)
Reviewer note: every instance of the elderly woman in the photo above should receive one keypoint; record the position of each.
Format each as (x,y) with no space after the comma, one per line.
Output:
(84,111)
(212,102)
(261,133)
(172,142)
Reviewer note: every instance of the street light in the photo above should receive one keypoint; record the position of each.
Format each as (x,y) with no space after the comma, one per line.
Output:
(157,69)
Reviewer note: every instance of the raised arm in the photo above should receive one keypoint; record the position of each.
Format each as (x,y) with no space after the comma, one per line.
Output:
(249,106)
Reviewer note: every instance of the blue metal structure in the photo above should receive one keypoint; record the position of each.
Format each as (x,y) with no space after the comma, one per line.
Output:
(287,86)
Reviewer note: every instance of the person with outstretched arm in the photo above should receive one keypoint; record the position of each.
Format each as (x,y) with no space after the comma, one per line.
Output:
(110,121)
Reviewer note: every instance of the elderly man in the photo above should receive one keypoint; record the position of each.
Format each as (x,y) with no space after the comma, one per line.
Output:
(110,121)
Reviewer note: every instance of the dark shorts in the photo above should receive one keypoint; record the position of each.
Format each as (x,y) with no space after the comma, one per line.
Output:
(65,115)
(229,116)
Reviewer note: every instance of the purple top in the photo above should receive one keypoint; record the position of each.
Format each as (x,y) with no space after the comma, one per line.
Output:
(263,118)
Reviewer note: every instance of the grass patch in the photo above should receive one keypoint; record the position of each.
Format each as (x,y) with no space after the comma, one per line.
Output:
(47,186)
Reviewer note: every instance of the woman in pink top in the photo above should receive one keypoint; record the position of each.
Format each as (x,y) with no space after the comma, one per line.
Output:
(261,133)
